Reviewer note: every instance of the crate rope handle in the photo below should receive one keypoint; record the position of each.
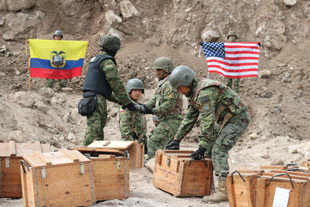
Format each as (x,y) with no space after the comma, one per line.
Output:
(232,177)
(126,154)
(281,175)
(204,160)
(23,163)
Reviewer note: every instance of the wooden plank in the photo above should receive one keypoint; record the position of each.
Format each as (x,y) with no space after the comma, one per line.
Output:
(274,167)
(12,148)
(24,186)
(42,158)
(231,192)
(70,155)
(37,146)
(112,144)
(261,186)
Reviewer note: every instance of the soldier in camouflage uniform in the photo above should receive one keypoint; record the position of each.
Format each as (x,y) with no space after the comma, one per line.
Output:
(166,105)
(232,82)
(102,82)
(132,123)
(217,104)
(58,35)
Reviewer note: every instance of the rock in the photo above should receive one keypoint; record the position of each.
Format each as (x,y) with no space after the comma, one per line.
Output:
(128,10)
(112,17)
(47,92)
(209,35)
(293,149)
(3,49)
(67,89)
(265,156)
(253,136)
(24,99)
(16,5)
(264,74)
(150,165)
(277,162)
(290,2)
(41,107)
(67,117)
(16,136)
(71,137)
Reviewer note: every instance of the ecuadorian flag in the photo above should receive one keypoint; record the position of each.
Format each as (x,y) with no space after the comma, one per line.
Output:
(56,59)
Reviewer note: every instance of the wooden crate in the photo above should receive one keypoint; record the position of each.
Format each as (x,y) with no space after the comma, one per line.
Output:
(111,177)
(62,178)
(135,149)
(297,184)
(242,187)
(176,174)
(10,156)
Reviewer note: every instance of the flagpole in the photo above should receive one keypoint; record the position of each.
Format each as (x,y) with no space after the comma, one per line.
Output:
(29,75)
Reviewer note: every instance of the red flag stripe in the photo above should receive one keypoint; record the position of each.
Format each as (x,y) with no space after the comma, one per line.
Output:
(242,76)
(229,64)
(242,58)
(231,70)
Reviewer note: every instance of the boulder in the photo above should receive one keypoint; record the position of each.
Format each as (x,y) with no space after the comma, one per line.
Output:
(290,3)
(128,10)
(209,35)
(16,5)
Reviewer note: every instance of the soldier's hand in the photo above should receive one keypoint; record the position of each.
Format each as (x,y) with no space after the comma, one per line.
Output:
(131,107)
(147,109)
(201,43)
(198,154)
(173,145)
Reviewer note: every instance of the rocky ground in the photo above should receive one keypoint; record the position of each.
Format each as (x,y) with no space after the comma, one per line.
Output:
(278,99)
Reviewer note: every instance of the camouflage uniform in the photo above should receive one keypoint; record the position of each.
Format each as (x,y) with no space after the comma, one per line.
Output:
(132,125)
(220,105)
(62,83)
(167,105)
(232,82)
(97,120)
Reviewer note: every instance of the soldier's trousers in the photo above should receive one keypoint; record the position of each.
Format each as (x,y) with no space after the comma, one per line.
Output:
(96,122)
(62,83)
(220,144)
(233,83)
(162,135)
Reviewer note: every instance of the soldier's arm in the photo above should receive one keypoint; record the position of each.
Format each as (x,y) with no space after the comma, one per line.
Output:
(188,122)
(207,101)
(117,86)
(113,98)
(124,120)
(152,102)
(170,100)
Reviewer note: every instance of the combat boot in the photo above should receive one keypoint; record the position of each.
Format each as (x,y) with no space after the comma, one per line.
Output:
(220,196)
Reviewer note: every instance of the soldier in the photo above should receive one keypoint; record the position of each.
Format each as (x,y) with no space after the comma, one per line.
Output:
(217,104)
(132,123)
(102,83)
(58,35)
(232,82)
(166,105)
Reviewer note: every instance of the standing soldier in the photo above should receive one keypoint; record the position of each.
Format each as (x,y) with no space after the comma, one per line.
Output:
(132,123)
(58,35)
(102,83)
(217,104)
(166,105)
(232,82)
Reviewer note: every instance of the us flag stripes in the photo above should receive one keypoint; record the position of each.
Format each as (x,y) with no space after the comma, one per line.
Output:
(232,59)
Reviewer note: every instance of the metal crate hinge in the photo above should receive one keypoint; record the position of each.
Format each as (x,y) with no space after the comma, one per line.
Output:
(7,162)
(82,168)
(43,172)
(118,164)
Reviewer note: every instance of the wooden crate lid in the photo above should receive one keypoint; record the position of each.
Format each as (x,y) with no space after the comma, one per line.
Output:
(246,173)
(89,150)
(182,155)
(63,156)
(121,145)
(20,149)
(105,157)
(284,179)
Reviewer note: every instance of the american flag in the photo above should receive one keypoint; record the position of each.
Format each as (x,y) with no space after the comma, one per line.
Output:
(232,59)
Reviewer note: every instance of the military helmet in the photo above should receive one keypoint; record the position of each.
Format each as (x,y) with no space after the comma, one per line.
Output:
(232,33)
(134,83)
(181,75)
(110,42)
(58,32)
(163,63)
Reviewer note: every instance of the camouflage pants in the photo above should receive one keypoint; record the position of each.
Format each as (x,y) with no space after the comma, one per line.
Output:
(62,83)
(220,144)
(233,83)
(162,135)
(96,122)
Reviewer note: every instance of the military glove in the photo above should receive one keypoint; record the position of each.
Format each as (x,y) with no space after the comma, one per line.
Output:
(199,154)
(173,145)
(147,110)
(201,43)
(134,107)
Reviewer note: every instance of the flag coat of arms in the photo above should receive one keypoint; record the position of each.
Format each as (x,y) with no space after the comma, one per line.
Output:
(232,59)
(55,59)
